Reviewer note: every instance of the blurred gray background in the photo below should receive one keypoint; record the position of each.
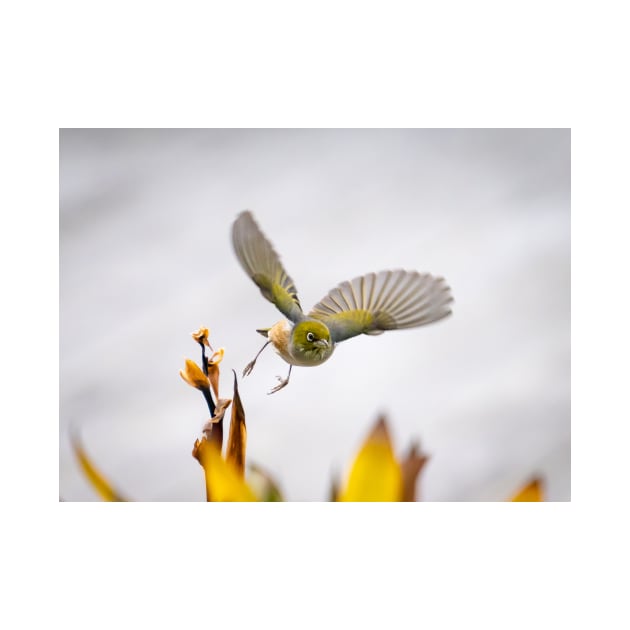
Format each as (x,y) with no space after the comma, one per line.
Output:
(146,258)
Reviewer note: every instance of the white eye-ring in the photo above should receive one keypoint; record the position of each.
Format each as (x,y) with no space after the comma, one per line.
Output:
(310,336)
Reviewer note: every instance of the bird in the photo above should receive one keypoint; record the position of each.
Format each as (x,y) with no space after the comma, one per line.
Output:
(369,304)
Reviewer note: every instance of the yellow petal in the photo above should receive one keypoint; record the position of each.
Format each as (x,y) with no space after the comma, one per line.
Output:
(237,439)
(201,336)
(223,482)
(375,474)
(194,375)
(94,476)
(533,491)
(411,466)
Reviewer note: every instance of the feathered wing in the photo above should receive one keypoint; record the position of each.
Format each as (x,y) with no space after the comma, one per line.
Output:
(387,300)
(261,263)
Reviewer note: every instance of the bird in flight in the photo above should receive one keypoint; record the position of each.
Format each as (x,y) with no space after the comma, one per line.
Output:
(369,304)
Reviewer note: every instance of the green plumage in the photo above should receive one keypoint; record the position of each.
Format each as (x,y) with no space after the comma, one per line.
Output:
(368,304)
(260,261)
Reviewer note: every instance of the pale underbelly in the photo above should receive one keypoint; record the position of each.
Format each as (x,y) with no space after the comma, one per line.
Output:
(303,362)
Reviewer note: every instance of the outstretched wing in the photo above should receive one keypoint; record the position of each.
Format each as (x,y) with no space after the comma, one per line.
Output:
(261,263)
(387,300)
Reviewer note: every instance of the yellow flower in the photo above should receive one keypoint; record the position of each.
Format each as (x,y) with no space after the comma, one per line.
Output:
(93,475)
(224,482)
(224,475)
(533,491)
(376,474)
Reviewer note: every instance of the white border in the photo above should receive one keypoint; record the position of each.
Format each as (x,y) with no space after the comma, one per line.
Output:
(341,64)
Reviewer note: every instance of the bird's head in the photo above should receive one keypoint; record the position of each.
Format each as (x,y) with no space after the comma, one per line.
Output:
(311,342)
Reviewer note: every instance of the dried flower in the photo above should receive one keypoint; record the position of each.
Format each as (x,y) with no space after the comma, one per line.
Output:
(213,370)
(194,376)
(201,337)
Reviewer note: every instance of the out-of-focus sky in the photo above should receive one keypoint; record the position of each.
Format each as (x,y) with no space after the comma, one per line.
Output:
(145,219)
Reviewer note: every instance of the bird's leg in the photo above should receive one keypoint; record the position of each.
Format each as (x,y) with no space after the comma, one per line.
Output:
(250,366)
(283,381)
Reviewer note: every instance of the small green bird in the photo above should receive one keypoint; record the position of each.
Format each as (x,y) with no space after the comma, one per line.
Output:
(369,304)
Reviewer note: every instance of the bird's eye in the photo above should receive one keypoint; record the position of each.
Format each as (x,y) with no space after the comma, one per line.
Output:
(310,336)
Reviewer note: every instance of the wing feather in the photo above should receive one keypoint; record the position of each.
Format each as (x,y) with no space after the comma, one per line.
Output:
(262,264)
(387,300)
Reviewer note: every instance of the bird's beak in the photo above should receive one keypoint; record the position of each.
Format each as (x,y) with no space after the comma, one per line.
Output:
(321,343)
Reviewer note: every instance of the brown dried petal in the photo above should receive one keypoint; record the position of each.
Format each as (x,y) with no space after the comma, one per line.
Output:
(217,419)
(411,466)
(237,439)
(213,370)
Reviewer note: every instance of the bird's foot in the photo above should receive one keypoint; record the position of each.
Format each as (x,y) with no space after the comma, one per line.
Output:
(248,368)
(283,383)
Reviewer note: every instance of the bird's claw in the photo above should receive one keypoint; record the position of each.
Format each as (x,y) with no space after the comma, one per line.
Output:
(283,383)
(248,368)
